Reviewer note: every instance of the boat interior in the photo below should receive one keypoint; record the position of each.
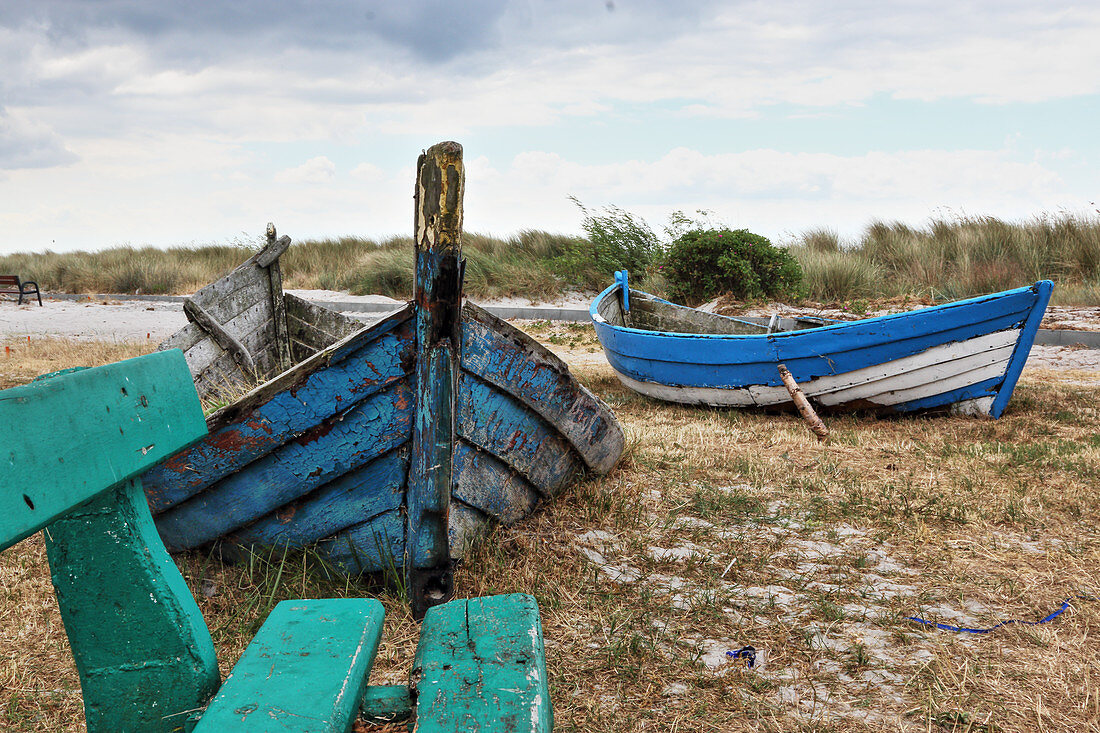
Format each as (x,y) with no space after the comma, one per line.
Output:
(653,314)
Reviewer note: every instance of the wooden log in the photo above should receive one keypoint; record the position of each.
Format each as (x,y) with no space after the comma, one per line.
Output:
(438,297)
(226,340)
(804,408)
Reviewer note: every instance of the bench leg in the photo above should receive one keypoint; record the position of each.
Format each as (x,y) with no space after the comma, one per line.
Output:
(143,652)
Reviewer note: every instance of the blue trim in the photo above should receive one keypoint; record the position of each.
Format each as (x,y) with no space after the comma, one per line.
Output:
(1042,289)
(982,389)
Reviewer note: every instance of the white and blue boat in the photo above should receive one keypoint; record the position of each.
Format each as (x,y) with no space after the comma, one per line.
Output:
(964,356)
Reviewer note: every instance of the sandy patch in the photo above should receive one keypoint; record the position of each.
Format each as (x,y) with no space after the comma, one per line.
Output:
(112,320)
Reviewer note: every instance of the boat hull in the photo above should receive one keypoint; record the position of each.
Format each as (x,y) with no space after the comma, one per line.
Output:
(966,356)
(320,455)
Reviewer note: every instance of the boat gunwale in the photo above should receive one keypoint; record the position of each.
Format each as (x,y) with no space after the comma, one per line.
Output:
(599,320)
(243,405)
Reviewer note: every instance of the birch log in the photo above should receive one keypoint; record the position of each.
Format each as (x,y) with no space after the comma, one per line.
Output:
(804,408)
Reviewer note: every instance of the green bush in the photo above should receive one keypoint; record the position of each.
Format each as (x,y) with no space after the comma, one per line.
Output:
(704,263)
(617,240)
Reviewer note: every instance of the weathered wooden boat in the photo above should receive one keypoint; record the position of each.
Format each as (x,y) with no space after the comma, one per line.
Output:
(387,448)
(966,356)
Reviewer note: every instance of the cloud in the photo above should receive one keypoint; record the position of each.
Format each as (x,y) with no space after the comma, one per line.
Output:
(314,170)
(203,106)
(771,191)
(26,144)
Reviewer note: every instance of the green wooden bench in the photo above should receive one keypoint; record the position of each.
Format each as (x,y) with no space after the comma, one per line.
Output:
(72,445)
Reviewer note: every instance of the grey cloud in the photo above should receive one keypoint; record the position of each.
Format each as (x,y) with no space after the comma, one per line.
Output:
(432,30)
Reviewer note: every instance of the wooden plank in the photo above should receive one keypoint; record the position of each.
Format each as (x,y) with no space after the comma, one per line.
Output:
(481,666)
(438,294)
(499,424)
(245,275)
(329,449)
(306,670)
(655,314)
(270,261)
(328,383)
(315,327)
(142,650)
(252,294)
(386,704)
(183,339)
(506,357)
(491,485)
(374,546)
(358,495)
(69,437)
(466,526)
(224,338)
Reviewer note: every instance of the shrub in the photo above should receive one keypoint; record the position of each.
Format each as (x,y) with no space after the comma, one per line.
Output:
(617,240)
(704,263)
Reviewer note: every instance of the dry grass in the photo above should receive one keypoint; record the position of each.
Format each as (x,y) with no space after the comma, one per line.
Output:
(956,258)
(23,359)
(721,529)
(529,263)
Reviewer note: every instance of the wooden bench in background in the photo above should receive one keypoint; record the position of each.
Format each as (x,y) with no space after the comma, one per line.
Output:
(74,444)
(12,285)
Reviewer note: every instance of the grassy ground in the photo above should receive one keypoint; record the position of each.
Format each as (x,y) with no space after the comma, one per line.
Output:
(723,528)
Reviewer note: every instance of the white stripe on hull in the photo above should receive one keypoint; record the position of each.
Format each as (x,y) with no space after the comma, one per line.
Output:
(933,371)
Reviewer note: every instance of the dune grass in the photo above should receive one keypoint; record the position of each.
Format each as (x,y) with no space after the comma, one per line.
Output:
(957,258)
(530,263)
(944,260)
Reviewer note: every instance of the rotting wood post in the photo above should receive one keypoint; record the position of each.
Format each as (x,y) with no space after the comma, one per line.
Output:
(438,232)
(804,408)
(269,259)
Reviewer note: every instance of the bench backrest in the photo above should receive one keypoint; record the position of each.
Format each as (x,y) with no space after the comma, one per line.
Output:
(72,444)
(70,436)
(9,281)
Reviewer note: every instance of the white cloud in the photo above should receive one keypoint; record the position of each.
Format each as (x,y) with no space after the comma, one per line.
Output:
(168,132)
(367,172)
(772,191)
(314,170)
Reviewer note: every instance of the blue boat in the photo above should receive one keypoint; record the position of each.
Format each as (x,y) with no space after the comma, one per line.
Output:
(964,356)
(386,448)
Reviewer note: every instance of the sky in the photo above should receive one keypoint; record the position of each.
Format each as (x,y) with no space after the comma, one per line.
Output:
(194,122)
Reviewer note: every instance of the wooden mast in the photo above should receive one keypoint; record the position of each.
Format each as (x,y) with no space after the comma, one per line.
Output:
(438,298)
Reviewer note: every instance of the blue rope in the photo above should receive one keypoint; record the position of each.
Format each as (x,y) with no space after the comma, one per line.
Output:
(747,653)
(965,629)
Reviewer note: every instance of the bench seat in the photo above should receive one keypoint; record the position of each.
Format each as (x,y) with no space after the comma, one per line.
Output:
(306,670)
(481,665)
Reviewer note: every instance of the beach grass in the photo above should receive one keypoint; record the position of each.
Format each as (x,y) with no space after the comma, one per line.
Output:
(945,259)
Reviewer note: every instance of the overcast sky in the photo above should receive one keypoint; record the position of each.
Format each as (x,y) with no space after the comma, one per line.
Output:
(171,122)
